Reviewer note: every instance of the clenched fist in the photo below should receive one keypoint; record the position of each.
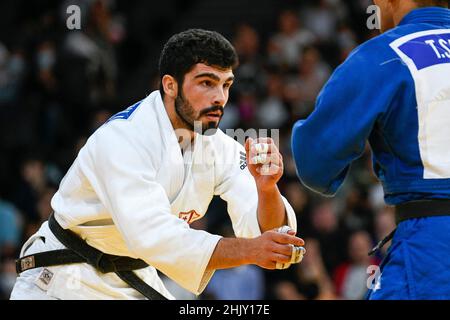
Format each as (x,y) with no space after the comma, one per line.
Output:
(265,162)
(273,247)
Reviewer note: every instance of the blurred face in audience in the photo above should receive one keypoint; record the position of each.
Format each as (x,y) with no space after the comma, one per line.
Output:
(324,218)
(247,41)
(33,171)
(359,245)
(288,22)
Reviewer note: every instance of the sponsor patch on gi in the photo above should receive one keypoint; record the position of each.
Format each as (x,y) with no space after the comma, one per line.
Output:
(44,279)
(189,216)
(243,161)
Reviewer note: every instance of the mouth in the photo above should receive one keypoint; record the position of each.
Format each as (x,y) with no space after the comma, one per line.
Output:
(213,115)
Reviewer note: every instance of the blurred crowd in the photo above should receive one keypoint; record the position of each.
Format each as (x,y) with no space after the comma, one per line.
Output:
(58,85)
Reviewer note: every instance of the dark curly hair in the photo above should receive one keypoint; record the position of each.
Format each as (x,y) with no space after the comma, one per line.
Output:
(185,49)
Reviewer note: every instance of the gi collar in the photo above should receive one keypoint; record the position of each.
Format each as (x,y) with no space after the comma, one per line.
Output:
(428,14)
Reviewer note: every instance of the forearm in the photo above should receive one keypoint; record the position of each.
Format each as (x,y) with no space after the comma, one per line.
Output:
(271,209)
(264,251)
(230,253)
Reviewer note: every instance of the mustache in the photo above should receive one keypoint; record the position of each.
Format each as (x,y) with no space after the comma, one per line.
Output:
(211,109)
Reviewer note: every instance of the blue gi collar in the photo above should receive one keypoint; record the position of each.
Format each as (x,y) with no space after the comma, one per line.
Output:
(429,14)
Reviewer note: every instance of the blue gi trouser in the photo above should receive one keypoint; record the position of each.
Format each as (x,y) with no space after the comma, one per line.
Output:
(417,265)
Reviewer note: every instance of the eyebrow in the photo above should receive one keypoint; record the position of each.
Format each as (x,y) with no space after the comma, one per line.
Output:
(212,76)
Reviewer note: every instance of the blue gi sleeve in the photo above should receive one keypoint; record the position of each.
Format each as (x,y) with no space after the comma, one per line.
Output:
(325,144)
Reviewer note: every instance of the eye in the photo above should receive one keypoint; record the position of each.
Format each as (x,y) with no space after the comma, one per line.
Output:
(227,85)
(207,83)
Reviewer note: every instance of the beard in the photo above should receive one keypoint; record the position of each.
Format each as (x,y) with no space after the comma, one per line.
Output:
(192,120)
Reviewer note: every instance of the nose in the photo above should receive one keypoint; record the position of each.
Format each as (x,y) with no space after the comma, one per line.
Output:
(220,97)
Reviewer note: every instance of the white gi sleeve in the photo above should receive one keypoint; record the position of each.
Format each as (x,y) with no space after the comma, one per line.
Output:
(237,187)
(122,172)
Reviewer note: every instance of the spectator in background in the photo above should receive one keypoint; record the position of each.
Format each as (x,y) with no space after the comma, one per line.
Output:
(302,88)
(322,19)
(52,121)
(34,191)
(247,104)
(12,72)
(241,283)
(32,184)
(346,41)
(289,167)
(10,228)
(250,79)
(245,282)
(272,112)
(297,196)
(90,67)
(45,60)
(99,118)
(286,46)
(309,280)
(7,276)
(43,205)
(300,201)
(250,76)
(326,230)
(351,276)
(357,213)
(11,224)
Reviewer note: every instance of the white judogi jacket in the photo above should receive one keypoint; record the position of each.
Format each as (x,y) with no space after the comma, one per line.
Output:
(131,192)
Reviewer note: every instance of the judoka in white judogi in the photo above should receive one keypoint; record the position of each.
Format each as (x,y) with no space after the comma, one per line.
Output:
(132,192)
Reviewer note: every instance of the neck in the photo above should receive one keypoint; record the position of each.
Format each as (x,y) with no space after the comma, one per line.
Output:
(404,7)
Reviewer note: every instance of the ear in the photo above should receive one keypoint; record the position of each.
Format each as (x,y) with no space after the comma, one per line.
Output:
(170,86)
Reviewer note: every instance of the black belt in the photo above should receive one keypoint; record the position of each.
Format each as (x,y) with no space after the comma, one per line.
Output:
(421,209)
(414,210)
(80,252)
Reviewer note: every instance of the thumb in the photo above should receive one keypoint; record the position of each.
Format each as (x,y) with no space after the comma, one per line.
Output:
(248,143)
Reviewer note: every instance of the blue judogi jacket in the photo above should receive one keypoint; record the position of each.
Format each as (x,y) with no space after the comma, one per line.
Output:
(393,91)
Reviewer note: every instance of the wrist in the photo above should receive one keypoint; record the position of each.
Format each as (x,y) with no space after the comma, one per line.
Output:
(267,189)
(249,250)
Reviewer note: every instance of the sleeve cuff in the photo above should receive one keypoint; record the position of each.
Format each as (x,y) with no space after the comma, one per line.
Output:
(290,213)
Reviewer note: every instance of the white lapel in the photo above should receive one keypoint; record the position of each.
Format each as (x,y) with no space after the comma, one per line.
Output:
(171,173)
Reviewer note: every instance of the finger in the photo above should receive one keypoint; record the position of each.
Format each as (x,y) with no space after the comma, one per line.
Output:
(259,147)
(297,254)
(286,229)
(248,143)
(288,239)
(282,229)
(268,170)
(258,158)
(272,265)
(283,249)
(263,147)
(280,258)
(265,158)
(264,140)
(281,266)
